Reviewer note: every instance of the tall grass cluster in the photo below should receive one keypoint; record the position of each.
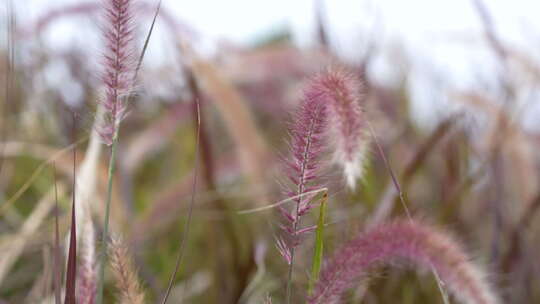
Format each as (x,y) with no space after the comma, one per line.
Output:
(266,174)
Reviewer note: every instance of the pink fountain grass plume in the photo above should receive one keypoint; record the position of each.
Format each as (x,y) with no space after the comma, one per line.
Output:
(304,165)
(307,144)
(341,90)
(418,243)
(119,64)
(86,280)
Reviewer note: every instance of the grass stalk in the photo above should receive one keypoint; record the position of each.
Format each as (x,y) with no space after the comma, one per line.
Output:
(289,279)
(57,279)
(185,234)
(104,237)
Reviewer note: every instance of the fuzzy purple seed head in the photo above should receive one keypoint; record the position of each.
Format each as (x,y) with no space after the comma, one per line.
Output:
(423,245)
(341,91)
(307,145)
(118,64)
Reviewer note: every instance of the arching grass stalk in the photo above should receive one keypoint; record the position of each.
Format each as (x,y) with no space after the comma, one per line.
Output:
(185,234)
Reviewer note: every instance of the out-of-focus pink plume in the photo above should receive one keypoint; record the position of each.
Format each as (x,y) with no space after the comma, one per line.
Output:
(421,244)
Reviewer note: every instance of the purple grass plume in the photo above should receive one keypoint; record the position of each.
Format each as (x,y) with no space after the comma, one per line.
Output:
(119,64)
(341,91)
(307,144)
(421,244)
(86,282)
(86,277)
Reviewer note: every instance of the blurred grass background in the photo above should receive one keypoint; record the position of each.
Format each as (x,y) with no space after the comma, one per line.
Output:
(472,168)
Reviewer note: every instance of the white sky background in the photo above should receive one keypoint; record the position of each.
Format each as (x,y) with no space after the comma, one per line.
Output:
(442,38)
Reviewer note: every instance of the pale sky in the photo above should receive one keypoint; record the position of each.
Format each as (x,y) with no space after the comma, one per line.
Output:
(442,38)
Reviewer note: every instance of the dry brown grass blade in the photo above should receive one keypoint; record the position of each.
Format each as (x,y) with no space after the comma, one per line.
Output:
(41,286)
(238,119)
(489,30)
(516,234)
(28,229)
(63,163)
(504,133)
(50,155)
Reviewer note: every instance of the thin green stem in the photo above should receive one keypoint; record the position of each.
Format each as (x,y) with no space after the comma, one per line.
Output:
(187,225)
(289,278)
(104,238)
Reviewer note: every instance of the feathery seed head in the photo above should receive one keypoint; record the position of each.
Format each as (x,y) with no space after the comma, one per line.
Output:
(118,63)
(341,91)
(307,145)
(86,281)
(127,282)
(421,244)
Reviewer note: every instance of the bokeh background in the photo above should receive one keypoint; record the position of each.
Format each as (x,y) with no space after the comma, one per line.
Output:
(451,88)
